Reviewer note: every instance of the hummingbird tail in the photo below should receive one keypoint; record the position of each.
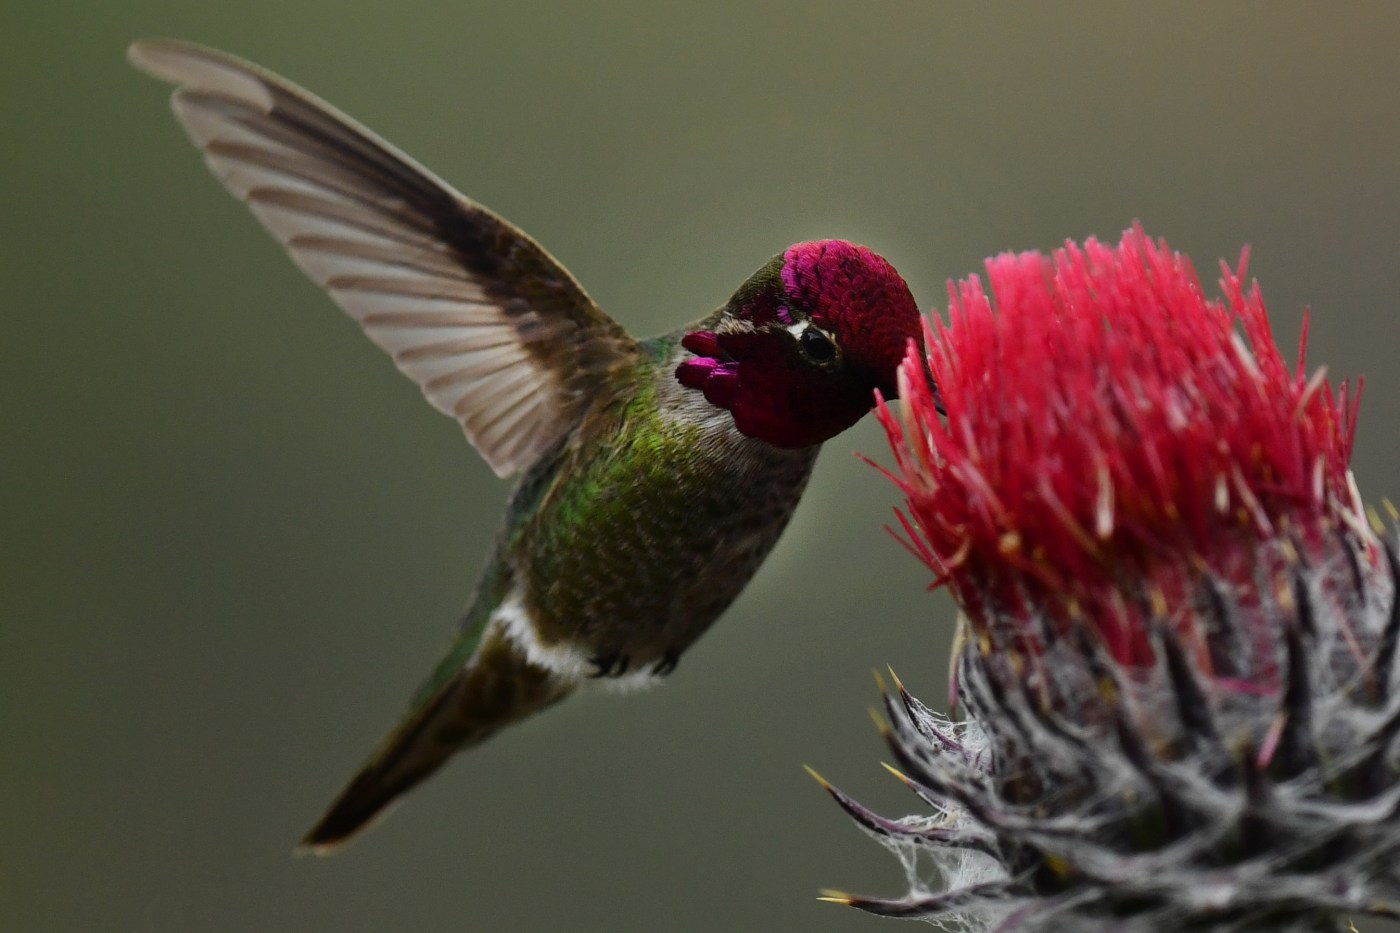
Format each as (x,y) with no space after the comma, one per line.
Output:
(498,687)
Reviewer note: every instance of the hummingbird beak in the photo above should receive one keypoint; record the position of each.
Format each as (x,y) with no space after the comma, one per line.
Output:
(915,352)
(937,396)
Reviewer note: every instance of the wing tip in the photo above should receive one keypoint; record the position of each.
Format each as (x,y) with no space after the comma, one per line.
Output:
(189,65)
(162,58)
(142,50)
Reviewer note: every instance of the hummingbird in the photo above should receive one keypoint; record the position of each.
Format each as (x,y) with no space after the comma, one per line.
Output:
(656,475)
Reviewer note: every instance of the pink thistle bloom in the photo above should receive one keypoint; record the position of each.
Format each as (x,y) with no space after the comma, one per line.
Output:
(1178,632)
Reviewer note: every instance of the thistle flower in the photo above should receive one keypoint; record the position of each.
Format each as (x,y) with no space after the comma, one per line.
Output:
(1176,663)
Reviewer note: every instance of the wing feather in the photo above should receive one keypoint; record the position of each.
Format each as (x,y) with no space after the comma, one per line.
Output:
(493,330)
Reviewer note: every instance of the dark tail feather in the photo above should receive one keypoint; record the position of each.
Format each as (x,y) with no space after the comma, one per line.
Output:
(496,689)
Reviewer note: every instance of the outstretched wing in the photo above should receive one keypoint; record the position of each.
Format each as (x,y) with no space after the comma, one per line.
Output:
(496,333)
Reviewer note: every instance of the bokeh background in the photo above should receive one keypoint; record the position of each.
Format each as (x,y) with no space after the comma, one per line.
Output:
(232,537)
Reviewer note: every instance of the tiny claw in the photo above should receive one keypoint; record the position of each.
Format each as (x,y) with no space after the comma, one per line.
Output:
(667,664)
(609,665)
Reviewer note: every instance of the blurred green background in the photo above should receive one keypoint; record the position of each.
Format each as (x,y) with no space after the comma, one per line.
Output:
(235,538)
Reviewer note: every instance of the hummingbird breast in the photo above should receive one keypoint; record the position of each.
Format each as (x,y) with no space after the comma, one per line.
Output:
(648,529)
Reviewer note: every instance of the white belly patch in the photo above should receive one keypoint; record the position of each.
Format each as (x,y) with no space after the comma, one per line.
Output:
(567,662)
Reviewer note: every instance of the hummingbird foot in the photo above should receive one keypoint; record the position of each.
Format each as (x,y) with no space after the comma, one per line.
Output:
(612,665)
(667,664)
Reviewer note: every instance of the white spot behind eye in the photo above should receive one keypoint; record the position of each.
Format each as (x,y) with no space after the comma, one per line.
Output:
(822,351)
(801,327)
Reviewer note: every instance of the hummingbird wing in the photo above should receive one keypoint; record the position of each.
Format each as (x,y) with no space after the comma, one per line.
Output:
(495,332)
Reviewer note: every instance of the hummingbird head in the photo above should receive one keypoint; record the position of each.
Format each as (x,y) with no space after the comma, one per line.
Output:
(800,349)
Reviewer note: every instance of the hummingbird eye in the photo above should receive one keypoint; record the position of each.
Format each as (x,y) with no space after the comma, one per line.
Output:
(817,346)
